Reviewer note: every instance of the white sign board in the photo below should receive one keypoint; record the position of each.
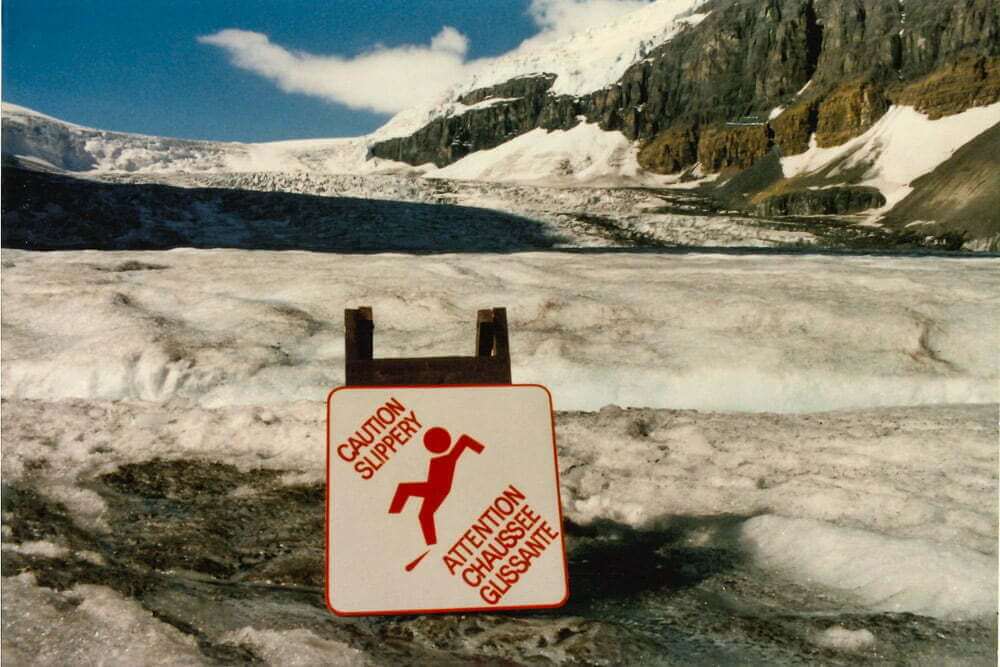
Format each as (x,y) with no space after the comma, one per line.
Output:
(442,499)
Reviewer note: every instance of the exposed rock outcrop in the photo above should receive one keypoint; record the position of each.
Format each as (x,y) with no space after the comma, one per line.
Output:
(793,128)
(519,107)
(672,150)
(970,82)
(726,147)
(525,86)
(848,111)
(826,201)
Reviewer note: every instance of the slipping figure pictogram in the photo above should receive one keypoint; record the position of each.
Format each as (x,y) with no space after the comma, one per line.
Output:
(440,475)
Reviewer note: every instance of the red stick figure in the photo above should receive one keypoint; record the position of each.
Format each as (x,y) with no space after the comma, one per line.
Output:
(440,474)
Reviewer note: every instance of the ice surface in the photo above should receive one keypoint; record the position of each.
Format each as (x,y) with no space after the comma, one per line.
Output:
(722,332)
(888,509)
(214,358)
(896,472)
(87,625)
(893,508)
(840,638)
(886,573)
(66,146)
(297,648)
(38,548)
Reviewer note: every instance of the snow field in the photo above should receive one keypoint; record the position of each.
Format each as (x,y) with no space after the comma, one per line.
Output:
(717,332)
(589,60)
(57,144)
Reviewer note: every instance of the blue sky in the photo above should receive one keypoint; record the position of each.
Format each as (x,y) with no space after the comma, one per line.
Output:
(138,66)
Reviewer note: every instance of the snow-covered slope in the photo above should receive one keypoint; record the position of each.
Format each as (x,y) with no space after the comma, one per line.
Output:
(900,148)
(585,153)
(897,150)
(589,60)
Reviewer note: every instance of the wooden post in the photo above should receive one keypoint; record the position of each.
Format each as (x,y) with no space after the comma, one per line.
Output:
(484,333)
(501,342)
(490,365)
(359,333)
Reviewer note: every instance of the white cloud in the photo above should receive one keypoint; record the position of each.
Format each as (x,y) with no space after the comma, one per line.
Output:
(559,18)
(385,80)
(388,80)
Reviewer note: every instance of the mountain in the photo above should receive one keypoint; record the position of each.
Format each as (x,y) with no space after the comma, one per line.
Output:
(741,81)
(784,109)
(737,77)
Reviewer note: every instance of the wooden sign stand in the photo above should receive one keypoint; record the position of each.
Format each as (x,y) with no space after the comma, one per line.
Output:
(490,365)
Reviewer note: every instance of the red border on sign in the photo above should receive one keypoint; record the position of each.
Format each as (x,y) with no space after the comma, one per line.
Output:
(456,610)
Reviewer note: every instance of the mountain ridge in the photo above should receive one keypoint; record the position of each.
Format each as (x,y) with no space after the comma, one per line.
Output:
(838,65)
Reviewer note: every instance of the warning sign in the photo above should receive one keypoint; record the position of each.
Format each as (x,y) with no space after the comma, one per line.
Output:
(442,499)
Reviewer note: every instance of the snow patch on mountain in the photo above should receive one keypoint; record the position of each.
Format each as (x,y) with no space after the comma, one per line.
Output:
(71,147)
(583,153)
(902,146)
(583,61)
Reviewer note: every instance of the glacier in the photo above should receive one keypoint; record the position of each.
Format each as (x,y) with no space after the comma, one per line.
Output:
(796,455)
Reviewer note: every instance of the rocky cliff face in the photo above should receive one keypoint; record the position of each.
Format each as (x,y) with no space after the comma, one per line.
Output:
(732,146)
(847,111)
(969,82)
(792,129)
(518,108)
(837,65)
